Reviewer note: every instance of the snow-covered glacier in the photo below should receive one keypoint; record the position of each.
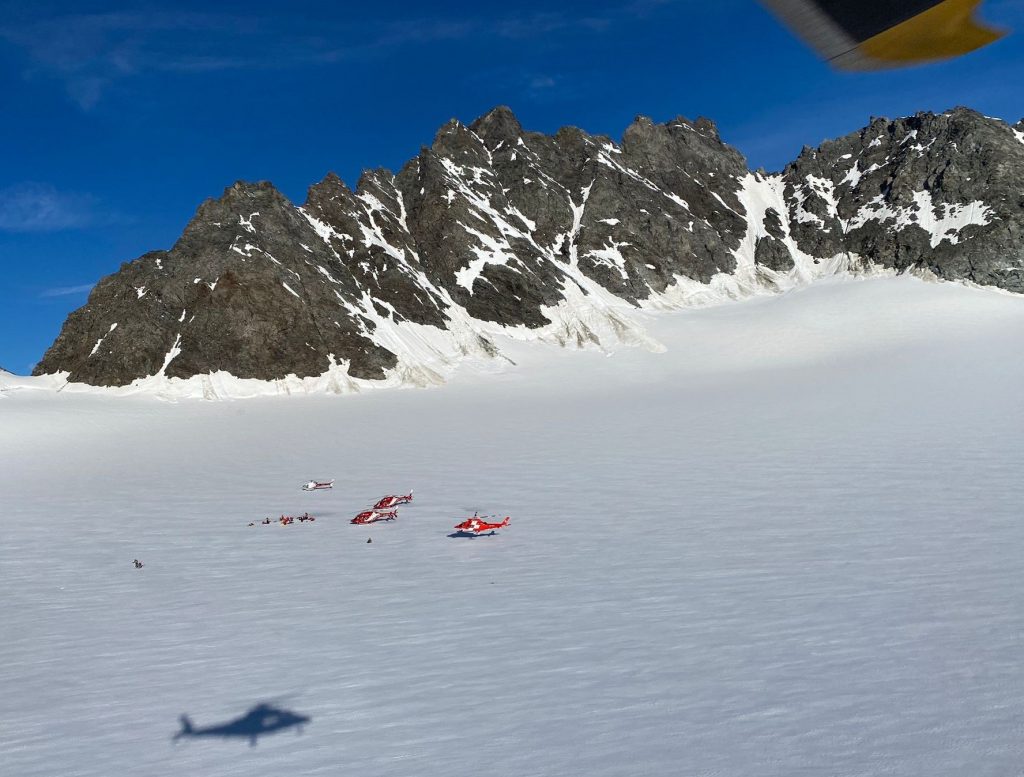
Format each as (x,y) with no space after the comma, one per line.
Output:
(787,543)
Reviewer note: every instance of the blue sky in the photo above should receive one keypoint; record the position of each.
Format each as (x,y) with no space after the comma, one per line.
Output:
(119,119)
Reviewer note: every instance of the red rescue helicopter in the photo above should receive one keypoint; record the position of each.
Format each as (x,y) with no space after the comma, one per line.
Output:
(476,525)
(372,516)
(316,485)
(393,501)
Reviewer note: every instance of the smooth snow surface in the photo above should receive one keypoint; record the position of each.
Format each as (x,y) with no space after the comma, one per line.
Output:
(790,544)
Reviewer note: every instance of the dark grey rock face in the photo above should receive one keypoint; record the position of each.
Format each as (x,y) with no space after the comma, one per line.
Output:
(772,253)
(248,288)
(500,223)
(896,193)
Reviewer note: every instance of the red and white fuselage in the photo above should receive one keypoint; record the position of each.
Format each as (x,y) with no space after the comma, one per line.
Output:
(372,516)
(388,502)
(476,525)
(316,485)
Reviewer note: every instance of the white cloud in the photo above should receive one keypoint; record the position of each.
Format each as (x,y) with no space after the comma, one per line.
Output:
(67,291)
(39,207)
(91,52)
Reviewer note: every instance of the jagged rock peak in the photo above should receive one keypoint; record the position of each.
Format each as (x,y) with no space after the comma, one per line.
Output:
(455,139)
(331,184)
(234,207)
(498,229)
(679,127)
(248,187)
(241,191)
(701,125)
(497,125)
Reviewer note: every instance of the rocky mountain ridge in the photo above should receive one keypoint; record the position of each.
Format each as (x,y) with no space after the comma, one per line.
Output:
(493,230)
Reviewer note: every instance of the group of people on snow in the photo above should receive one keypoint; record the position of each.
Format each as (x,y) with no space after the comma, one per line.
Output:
(286,520)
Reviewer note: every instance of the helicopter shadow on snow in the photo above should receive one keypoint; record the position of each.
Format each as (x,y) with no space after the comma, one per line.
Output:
(262,719)
(470,535)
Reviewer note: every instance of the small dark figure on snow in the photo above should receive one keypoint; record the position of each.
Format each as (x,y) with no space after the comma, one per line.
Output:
(137,563)
(369,540)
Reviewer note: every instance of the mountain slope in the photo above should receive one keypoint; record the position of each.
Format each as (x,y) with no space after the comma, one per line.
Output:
(496,230)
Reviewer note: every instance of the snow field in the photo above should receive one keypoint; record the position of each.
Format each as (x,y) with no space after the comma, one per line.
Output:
(790,544)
